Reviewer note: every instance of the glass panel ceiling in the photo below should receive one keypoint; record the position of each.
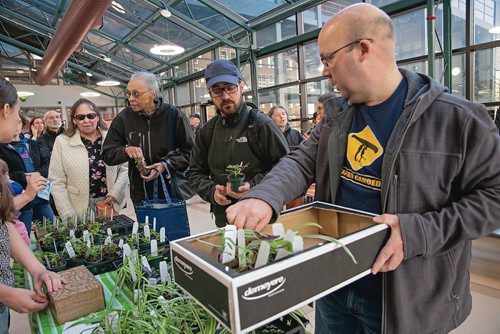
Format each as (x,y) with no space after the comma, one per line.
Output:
(250,9)
(206,16)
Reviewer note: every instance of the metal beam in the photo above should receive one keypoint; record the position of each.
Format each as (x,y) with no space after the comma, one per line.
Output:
(447,31)
(229,14)
(58,13)
(279,14)
(430,37)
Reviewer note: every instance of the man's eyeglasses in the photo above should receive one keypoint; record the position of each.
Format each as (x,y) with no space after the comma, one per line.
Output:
(81,117)
(329,57)
(136,93)
(217,92)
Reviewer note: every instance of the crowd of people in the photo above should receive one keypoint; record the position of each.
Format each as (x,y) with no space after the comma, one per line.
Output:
(435,155)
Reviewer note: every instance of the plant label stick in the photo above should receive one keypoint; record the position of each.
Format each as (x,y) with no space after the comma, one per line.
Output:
(85,235)
(278,230)
(164,275)
(72,234)
(44,223)
(147,235)
(132,271)
(162,234)
(69,249)
(229,244)
(263,256)
(289,236)
(146,220)
(126,251)
(65,222)
(145,263)
(281,254)
(89,244)
(298,244)
(75,220)
(242,258)
(154,247)
(84,217)
(135,228)
(92,216)
(154,223)
(120,244)
(109,232)
(108,240)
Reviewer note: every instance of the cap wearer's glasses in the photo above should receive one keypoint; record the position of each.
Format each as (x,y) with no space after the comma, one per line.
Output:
(81,117)
(217,92)
(136,93)
(329,57)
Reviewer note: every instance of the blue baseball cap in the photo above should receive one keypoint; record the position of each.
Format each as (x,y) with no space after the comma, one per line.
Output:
(222,71)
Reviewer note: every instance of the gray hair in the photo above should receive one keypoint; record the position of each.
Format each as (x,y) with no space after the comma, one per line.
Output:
(149,79)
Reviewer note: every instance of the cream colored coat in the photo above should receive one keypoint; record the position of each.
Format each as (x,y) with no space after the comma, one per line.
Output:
(69,173)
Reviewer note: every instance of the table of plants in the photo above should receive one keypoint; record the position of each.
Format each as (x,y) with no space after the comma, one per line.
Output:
(132,262)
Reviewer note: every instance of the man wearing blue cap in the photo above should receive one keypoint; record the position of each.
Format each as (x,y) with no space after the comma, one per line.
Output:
(234,136)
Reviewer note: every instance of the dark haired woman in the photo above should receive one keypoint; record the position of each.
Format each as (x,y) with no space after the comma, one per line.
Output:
(11,243)
(36,127)
(80,177)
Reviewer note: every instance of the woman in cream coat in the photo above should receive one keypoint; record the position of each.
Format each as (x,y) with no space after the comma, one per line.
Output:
(79,176)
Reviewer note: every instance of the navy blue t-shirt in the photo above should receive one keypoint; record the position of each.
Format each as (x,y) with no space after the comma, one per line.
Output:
(361,178)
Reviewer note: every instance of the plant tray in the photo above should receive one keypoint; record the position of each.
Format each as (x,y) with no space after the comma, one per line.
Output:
(244,301)
(82,295)
(121,224)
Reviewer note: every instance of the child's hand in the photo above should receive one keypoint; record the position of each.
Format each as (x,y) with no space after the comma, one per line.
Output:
(24,301)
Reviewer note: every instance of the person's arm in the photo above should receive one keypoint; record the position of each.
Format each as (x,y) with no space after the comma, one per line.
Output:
(59,181)
(113,148)
(119,188)
(198,174)
(36,182)
(22,300)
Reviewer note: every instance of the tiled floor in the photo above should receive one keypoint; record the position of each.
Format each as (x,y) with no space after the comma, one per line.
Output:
(485,316)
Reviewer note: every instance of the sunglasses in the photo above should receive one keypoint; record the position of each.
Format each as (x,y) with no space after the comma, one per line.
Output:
(81,117)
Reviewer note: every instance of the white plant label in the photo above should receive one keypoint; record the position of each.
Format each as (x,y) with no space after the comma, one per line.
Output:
(145,263)
(146,220)
(132,270)
(278,230)
(147,235)
(154,223)
(164,275)
(263,255)
(69,249)
(109,232)
(92,216)
(89,244)
(229,244)
(108,240)
(242,259)
(154,247)
(120,244)
(72,234)
(289,236)
(126,251)
(135,228)
(298,244)
(162,234)
(86,236)
(281,254)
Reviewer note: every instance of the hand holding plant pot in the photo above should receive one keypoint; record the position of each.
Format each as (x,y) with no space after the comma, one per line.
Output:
(236,178)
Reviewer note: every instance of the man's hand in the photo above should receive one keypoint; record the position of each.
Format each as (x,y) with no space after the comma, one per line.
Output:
(241,190)
(134,152)
(220,195)
(252,214)
(392,254)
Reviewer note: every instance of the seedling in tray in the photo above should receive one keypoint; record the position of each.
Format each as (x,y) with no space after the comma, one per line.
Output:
(247,249)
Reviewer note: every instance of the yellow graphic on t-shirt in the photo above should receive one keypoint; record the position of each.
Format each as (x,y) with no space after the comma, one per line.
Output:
(363,148)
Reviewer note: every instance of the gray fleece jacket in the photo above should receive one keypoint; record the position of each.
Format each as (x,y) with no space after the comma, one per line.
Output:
(440,175)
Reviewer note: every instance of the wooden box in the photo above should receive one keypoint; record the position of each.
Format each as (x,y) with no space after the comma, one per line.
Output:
(82,295)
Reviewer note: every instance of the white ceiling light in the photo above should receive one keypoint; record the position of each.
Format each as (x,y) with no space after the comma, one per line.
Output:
(88,74)
(165,13)
(108,83)
(118,7)
(494,30)
(25,94)
(90,94)
(167,50)
(455,71)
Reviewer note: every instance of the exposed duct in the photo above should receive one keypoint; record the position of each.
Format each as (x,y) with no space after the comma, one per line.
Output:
(80,18)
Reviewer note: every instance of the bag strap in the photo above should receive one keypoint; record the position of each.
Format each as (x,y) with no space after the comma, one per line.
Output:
(155,190)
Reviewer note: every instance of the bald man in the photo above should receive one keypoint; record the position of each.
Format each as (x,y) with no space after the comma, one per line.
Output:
(434,159)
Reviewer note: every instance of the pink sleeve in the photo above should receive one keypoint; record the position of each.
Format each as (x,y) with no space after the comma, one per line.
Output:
(21,228)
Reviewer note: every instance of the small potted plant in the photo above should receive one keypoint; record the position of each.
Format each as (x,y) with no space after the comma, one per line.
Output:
(47,242)
(235,175)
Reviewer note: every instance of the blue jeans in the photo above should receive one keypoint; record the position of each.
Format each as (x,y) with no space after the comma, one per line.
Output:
(4,321)
(346,311)
(40,208)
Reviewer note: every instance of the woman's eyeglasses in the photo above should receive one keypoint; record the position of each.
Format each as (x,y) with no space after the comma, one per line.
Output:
(81,117)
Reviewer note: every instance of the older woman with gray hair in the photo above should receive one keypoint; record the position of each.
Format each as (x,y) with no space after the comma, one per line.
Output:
(139,135)
(280,116)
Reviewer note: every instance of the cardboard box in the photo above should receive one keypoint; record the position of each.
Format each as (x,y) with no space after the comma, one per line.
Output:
(82,295)
(243,301)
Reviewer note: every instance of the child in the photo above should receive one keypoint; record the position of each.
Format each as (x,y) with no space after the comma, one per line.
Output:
(11,244)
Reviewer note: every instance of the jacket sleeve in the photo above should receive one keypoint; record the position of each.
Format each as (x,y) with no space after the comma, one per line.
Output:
(119,187)
(44,160)
(273,143)
(184,141)
(113,148)
(59,181)
(472,209)
(198,174)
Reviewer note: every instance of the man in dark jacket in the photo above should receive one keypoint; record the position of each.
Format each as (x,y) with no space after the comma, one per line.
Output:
(434,157)
(230,139)
(139,135)
(53,128)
